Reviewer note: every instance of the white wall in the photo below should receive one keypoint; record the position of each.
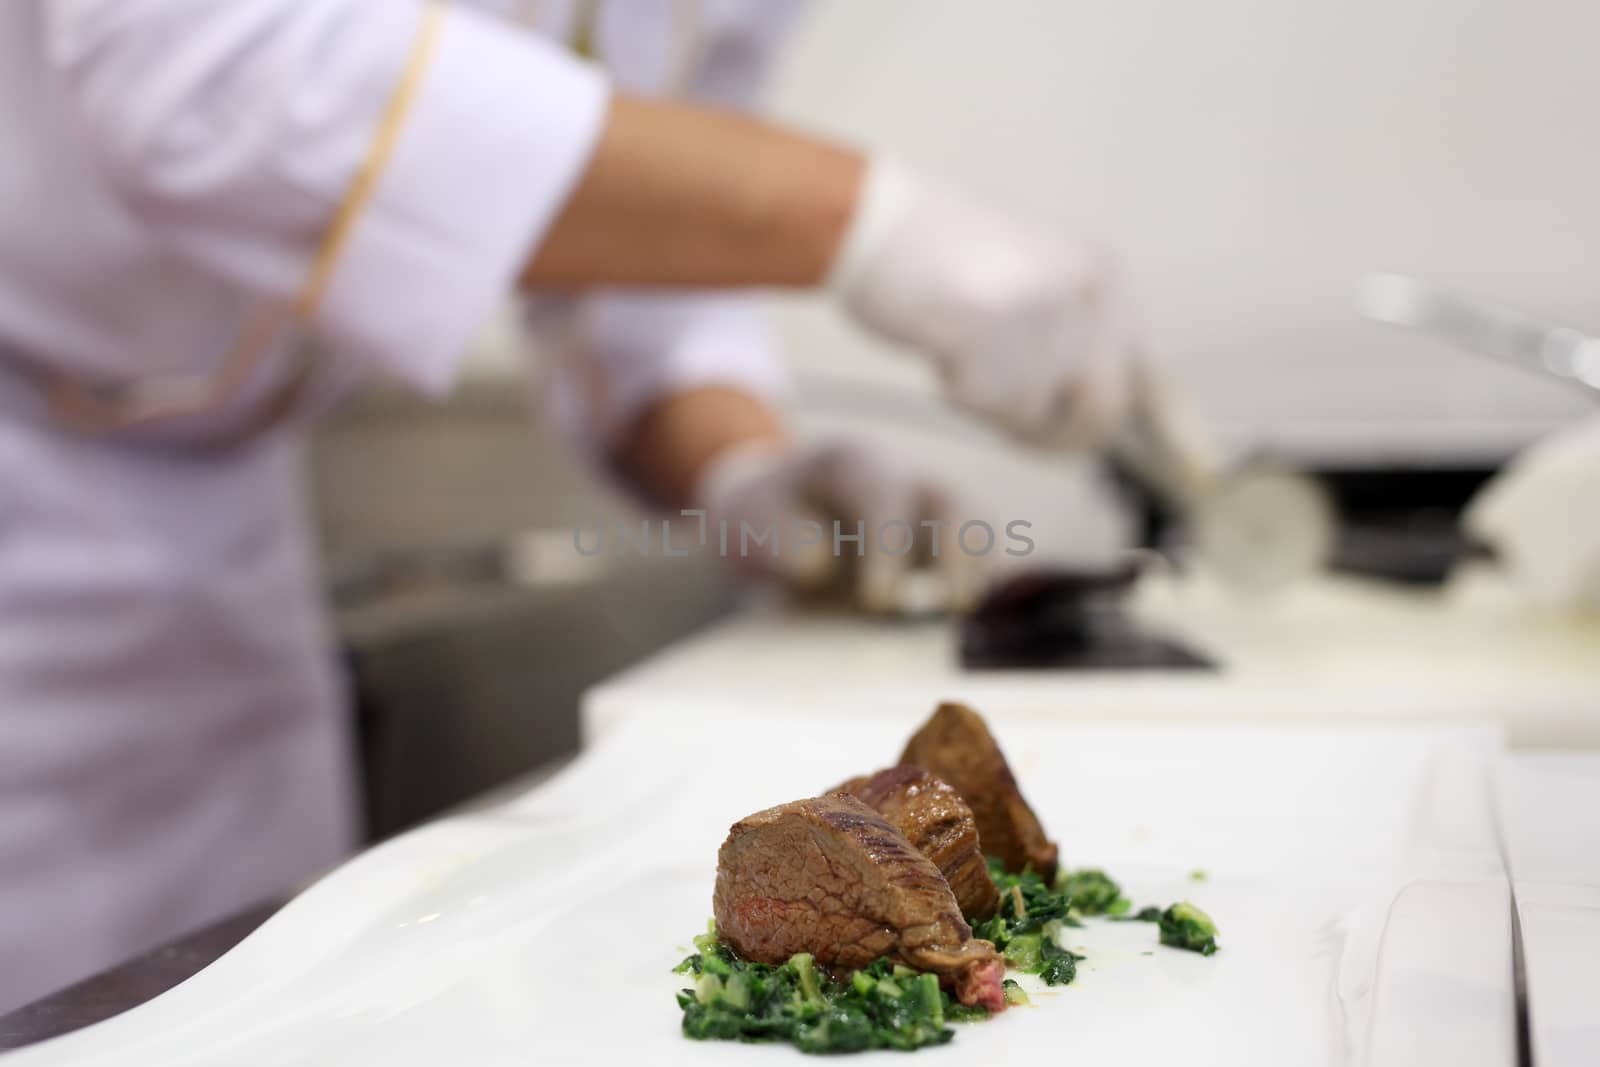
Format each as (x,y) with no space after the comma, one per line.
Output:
(1252,158)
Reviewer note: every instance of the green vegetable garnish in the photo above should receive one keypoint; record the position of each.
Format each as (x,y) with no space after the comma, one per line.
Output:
(957,1012)
(1092,892)
(889,1005)
(883,1005)
(1025,952)
(1185,926)
(806,975)
(1060,970)
(1027,928)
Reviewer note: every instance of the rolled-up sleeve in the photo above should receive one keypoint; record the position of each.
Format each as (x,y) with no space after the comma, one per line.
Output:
(643,347)
(237,132)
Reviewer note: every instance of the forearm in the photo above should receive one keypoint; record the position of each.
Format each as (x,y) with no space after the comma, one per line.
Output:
(673,441)
(676,195)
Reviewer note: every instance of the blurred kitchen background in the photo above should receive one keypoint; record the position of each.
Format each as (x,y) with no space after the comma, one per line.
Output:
(1251,159)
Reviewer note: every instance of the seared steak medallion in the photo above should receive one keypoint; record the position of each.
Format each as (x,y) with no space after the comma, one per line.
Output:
(830,877)
(931,815)
(956,745)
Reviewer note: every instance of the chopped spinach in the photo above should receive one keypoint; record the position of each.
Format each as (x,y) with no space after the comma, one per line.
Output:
(1060,970)
(1185,926)
(880,1006)
(1092,892)
(886,1005)
(1028,926)
(957,1012)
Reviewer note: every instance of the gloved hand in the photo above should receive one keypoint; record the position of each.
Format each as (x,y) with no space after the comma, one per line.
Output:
(1541,515)
(908,557)
(1027,330)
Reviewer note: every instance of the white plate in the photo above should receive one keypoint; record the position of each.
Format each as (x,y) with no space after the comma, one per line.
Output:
(1363,909)
(1550,813)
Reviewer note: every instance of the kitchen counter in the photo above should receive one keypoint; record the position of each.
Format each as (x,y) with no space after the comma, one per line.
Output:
(1333,649)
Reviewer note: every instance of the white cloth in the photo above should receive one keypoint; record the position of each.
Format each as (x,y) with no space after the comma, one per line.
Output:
(171,742)
(1542,517)
(1028,330)
(171,747)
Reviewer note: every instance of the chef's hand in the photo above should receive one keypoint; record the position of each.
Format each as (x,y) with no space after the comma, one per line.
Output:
(1541,515)
(908,556)
(1030,331)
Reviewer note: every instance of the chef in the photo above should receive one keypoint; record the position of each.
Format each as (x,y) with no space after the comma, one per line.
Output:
(219,216)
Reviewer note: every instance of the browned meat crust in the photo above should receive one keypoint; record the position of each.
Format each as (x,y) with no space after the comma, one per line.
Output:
(931,815)
(830,877)
(956,745)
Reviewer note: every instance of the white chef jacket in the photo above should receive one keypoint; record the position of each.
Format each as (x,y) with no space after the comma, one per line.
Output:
(175,172)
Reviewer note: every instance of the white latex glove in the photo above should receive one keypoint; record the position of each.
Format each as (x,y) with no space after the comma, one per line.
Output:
(770,487)
(1027,330)
(1541,515)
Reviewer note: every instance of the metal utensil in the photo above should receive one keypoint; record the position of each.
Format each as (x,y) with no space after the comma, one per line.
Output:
(1258,524)
(1568,355)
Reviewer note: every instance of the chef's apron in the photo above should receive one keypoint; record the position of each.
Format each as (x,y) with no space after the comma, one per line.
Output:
(173,744)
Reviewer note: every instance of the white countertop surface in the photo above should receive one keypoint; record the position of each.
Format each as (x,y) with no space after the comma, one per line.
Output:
(1335,649)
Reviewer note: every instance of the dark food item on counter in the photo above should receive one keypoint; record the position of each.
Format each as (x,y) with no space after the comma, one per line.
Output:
(838,920)
(931,815)
(956,745)
(1066,620)
(829,877)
